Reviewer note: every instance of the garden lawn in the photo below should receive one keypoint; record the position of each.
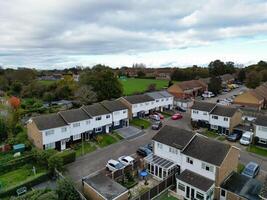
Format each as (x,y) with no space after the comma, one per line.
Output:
(164,196)
(132,85)
(107,139)
(18,176)
(87,148)
(140,122)
(257,150)
(210,134)
(46,82)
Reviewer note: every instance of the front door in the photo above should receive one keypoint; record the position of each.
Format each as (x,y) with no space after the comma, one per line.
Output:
(63,145)
(187,191)
(192,194)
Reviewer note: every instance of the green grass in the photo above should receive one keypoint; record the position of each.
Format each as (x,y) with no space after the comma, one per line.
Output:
(257,150)
(132,85)
(16,177)
(87,148)
(210,134)
(240,168)
(46,82)
(221,138)
(164,196)
(117,135)
(106,140)
(140,122)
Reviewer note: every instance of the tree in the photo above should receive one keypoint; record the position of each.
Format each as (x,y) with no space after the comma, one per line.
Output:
(215,85)
(216,68)
(49,97)
(170,83)
(14,102)
(264,75)
(253,79)
(141,74)
(241,75)
(3,130)
(66,190)
(55,162)
(85,95)
(151,87)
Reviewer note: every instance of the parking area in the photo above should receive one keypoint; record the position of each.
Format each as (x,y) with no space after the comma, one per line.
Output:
(129,132)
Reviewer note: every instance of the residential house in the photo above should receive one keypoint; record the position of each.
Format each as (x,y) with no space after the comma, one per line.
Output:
(227,79)
(188,89)
(138,105)
(250,99)
(162,100)
(202,163)
(260,130)
(240,187)
(262,91)
(223,119)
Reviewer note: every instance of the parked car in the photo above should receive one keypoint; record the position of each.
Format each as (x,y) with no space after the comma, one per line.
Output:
(114,165)
(149,146)
(142,151)
(177,116)
(246,138)
(181,109)
(126,160)
(160,115)
(234,136)
(157,125)
(154,117)
(251,170)
(208,94)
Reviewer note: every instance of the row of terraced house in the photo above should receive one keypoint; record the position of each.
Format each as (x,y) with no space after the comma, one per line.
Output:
(60,130)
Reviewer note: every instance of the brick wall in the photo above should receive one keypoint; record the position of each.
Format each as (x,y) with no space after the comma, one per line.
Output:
(34,135)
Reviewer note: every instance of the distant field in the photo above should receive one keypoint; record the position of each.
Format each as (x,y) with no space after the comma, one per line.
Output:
(132,85)
(46,82)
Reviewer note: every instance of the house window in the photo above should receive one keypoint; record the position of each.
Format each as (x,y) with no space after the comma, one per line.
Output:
(157,101)
(222,193)
(162,99)
(207,167)
(195,111)
(50,132)
(117,123)
(50,146)
(107,116)
(225,119)
(99,129)
(77,137)
(200,196)
(173,150)
(205,113)
(214,117)
(262,141)
(189,160)
(64,129)
(215,127)
(98,118)
(147,103)
(141,104)
(159,145)
(76,124)
(124,111)
(167,99)
(262,128)
(181,187)
(88,122)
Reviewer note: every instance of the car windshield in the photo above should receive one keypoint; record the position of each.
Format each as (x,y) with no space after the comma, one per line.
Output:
(248,171)
(245,138)
(118,165)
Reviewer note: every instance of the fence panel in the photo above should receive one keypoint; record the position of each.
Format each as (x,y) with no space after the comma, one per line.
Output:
(154,192)
(145,196)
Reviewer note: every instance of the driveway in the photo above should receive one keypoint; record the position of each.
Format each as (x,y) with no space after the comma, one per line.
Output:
(129,132)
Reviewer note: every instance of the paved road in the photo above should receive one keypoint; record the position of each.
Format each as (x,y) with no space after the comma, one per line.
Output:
(97,160)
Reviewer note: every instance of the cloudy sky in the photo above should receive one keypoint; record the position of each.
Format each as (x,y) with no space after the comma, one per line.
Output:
(65,33)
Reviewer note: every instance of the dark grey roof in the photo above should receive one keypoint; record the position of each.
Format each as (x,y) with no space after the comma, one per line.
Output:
(95,109)
(196,180)
(173,136)
(207,150)
(115,105)
(165,93)
(242,186)
(44,122)
(155,95)
(140,98)
(261,120)
(74,115)
(203,106)
(224,111)
(243,127)
(105,186)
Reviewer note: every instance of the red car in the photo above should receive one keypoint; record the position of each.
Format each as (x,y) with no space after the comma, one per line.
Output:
(177,116)
(160,115)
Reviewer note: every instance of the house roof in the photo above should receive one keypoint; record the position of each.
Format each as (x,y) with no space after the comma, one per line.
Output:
(105,186)
(165,93)
(192,84)
(95,109)
(173,136)
(155,95)
(261,120)
(256,94)
(195,180)
(207,150)
(243,186)
(74,115)
(227,77)
(112,106)
(261,91)
(44,122)
(140,98)
(226,111)
(203,106)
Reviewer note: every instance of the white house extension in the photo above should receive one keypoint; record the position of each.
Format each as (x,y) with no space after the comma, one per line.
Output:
(261,130)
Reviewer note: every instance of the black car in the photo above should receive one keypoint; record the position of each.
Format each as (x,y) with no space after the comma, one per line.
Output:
(157,125)
(143,151)
(180,109)
(234,136)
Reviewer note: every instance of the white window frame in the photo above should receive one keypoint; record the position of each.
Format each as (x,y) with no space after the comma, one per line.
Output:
(77,137)
(107,116)
(225,119)
(98,129)
(159,145)
(195,111)
(88,122)
(207,167)
(215,117)
(50,145)
(49,132)
(189,160)
(98,118)
(64,129)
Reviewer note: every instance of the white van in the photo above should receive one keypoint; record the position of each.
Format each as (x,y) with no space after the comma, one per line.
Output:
(246,138)
(207,94)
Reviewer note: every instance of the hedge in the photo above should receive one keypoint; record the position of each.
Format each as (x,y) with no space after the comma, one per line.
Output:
(30,183)
(16,163)
(68,156)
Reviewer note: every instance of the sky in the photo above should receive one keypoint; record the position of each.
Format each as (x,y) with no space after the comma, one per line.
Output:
(65,33)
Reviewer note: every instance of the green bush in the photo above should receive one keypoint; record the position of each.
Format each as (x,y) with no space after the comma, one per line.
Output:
(28,184)
(67,156)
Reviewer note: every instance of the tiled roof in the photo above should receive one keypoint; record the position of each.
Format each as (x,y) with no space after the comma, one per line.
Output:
(155,95)
(224,111)
(44,122)
(203,106)
(95,109)
(115,105)
(140,98)
(261,120)
(192,84)
(74,115)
